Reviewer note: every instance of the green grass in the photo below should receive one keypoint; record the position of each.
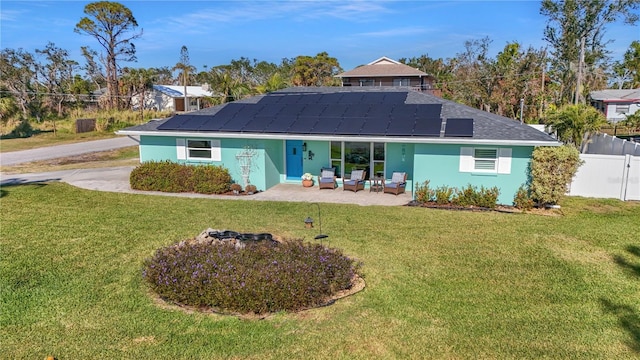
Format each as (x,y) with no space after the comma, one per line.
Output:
(440,284)
(48,138)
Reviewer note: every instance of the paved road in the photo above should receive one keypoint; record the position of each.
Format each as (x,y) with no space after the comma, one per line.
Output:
(59,151)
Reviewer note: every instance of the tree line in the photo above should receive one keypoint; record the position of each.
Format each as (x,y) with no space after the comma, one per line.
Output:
(518,82)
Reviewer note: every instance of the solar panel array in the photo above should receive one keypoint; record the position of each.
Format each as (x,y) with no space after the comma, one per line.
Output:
(340,113)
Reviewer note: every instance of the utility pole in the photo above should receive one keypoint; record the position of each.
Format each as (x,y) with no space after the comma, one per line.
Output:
(521,109)
(579,77)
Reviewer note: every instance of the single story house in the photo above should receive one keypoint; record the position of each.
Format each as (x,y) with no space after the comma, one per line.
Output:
(616,104)
(171,98)
(387,72)
(277,137)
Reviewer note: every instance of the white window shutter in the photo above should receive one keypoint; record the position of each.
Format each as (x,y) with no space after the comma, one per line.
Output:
(216,154)
(181,149)
(504,161)
(466,159)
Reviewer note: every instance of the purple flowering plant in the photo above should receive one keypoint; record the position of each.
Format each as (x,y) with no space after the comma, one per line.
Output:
(260,278)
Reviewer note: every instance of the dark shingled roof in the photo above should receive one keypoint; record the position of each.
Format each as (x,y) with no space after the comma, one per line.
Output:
(349,111)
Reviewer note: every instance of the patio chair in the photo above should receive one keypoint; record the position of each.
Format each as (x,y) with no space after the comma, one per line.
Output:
(397,184)
(355,182)
(327,178)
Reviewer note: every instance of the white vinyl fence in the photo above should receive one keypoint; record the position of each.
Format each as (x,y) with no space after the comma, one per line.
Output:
(601,143)
(608,176)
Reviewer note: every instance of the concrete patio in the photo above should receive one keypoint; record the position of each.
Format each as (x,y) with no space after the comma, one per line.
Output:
(117,180)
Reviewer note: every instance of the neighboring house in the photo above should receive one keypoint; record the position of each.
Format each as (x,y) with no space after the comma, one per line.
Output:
(616,104)
(380,129)
(171,98)
(387,72)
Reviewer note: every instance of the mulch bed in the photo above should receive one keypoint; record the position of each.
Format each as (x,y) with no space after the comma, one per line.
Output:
(500,208)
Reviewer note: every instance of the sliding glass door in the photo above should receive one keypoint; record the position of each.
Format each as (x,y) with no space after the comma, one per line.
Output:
(353,155)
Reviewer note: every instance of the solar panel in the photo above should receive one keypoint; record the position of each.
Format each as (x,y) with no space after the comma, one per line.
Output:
(271,99)
(292,110)
(235,124)
(327,125)
(351,98)
(257,124)
(350,126)
(375,126)
(404,127)
(356,110)
(430,111)
(193,122)
(403,111)
(459,128)
(174,123)
(313,110)
(395,97)
(376,110)
(280,124)
(428,127)
(303,125)
(335,110)
(211,124)
(272,109)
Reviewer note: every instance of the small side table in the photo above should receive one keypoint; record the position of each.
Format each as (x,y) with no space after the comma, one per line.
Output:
(375,184)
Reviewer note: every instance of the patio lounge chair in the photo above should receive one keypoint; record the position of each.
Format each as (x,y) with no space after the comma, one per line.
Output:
(327,178)
(397,184)
(355,182)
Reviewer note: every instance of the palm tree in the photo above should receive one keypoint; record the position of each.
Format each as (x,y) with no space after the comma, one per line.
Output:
(573,122)
(275,82)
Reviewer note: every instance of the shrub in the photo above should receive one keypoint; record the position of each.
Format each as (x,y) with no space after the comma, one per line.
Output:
(551,170)
(259,278)
(236,187)
(467,196)
(210,179)
(522,200)
(250,188)
(471,196)
(488,197)
(442,195)
(167,176)
(424,193)
(22,130)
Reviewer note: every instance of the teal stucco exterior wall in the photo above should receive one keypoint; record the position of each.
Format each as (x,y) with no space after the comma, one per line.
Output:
(267,163)
(440,164)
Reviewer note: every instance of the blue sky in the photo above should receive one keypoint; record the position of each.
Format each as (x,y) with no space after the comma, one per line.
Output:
(354,32)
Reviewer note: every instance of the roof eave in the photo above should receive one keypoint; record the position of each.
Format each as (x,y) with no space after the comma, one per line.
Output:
(365,138)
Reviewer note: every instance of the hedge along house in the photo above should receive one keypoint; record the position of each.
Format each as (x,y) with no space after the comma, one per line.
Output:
(277,137)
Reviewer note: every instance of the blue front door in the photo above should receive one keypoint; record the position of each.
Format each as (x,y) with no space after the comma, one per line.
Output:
(294,159)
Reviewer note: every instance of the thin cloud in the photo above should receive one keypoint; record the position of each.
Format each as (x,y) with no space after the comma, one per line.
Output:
(404,31)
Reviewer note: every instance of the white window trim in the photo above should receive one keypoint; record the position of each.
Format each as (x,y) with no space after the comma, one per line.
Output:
(502,161)
(183,150)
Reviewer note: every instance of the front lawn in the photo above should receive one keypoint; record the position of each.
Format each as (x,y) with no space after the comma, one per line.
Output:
(439,284)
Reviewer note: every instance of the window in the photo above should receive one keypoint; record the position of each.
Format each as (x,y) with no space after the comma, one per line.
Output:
(366,82)
(198,149)
(401,82)
(485,160)
(622,109)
